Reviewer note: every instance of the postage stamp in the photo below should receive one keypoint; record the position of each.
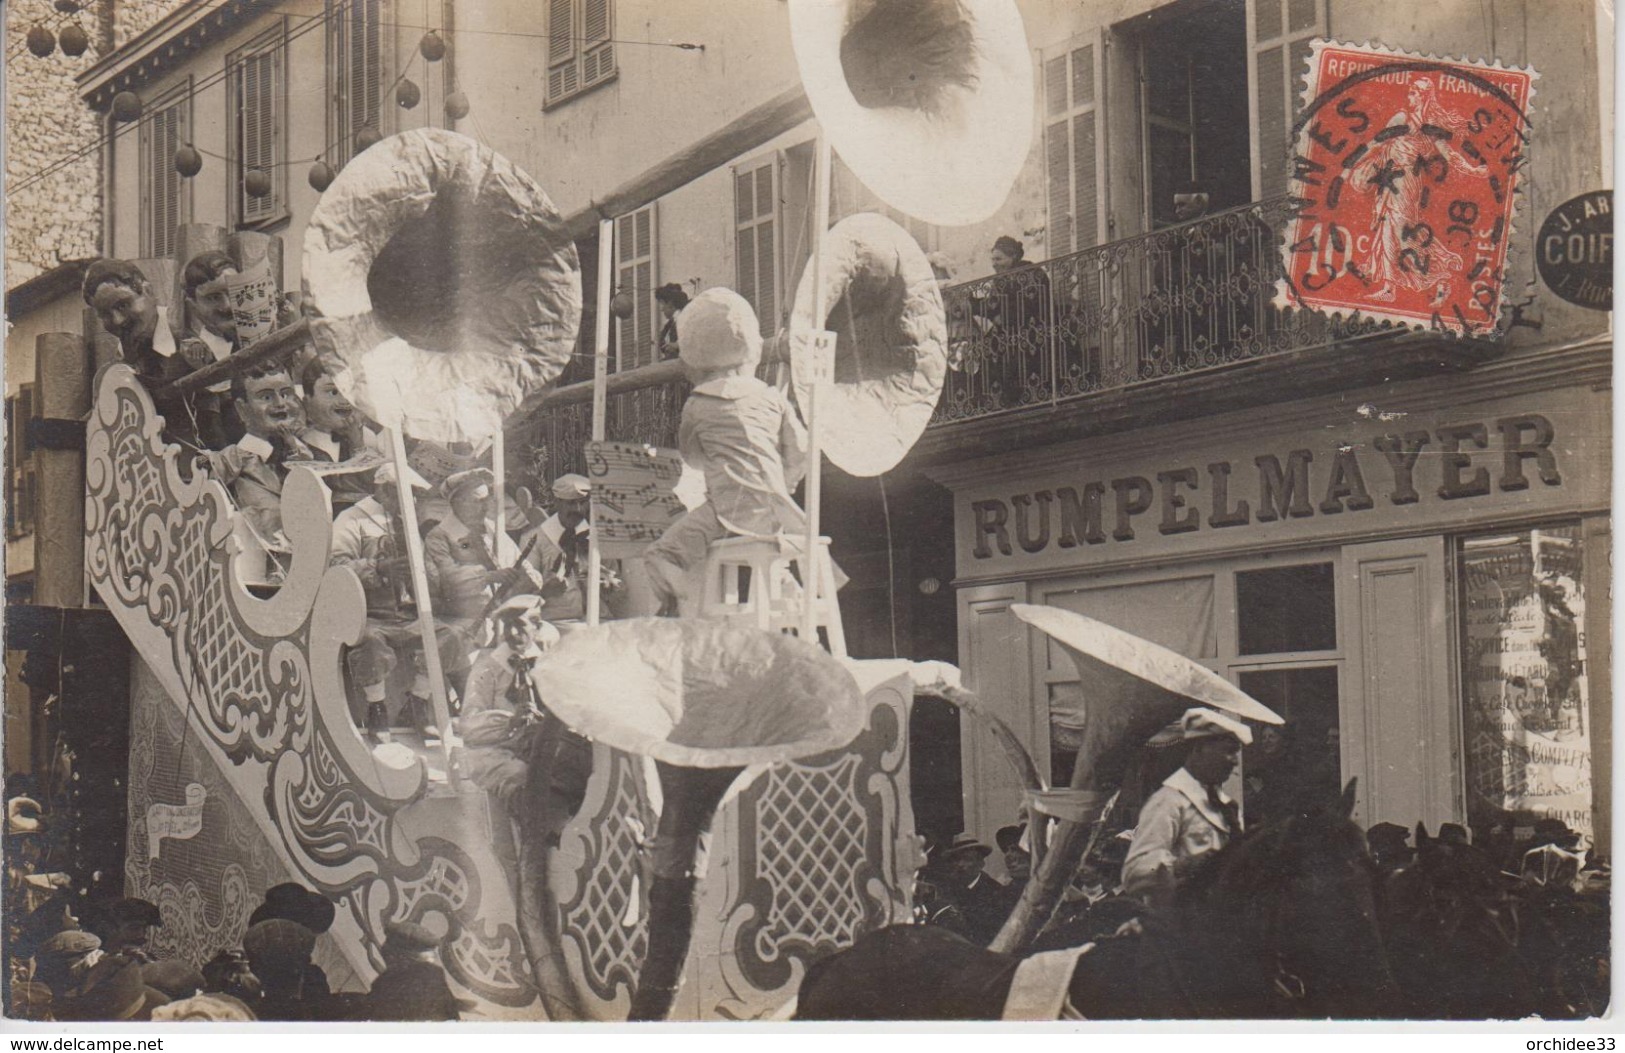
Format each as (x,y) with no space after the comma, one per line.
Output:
(1404,184)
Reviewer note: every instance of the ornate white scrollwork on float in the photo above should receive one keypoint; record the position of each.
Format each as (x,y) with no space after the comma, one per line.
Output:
(259,687)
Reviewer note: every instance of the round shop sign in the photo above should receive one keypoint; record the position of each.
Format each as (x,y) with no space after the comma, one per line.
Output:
(1575,250)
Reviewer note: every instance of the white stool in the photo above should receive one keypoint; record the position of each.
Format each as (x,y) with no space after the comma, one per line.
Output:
(774,601)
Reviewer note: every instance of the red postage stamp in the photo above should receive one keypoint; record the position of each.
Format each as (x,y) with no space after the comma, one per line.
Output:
(1404,187)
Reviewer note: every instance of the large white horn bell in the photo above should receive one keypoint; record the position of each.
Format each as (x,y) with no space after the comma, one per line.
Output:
(891,343)
(442,285)
(929,102)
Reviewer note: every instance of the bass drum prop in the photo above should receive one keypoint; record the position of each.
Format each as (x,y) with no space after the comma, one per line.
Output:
(442,285)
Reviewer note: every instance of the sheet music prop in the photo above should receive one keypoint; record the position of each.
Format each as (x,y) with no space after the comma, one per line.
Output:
(637,492)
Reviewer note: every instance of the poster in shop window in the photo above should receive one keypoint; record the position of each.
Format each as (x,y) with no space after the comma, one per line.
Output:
(1527,732)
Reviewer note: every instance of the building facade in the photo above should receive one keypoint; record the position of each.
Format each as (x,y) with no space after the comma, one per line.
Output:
(1399,540)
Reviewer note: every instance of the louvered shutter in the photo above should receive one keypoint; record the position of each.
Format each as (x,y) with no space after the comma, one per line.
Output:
(562,74)
(162,133)
(634,272)
(1073,85)
(756,259)
(254,102)
(366,66)
(1278,36)
(598,54)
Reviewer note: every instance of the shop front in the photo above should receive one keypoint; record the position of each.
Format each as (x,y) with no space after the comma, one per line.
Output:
(1410,575)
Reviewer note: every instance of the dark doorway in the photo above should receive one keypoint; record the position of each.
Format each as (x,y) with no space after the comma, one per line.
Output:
(1193,105)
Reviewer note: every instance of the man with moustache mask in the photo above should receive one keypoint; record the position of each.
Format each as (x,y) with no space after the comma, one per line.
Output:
(335,432)
(123,300)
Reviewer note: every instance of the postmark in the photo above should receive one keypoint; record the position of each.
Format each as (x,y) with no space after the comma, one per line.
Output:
(1405,185)
(1574,250)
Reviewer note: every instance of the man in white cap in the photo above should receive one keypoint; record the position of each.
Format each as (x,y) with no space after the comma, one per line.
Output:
(560,548)
(1189,816)
(741,433)
(466,556)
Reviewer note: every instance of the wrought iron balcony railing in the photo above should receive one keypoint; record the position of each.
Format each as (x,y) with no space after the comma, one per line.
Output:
(1170,303)
(1175,301)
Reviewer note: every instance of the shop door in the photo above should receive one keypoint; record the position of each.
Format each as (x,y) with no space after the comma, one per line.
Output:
(1400,735)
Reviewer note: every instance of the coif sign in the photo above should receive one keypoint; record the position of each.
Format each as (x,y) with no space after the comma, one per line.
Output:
(1575,250)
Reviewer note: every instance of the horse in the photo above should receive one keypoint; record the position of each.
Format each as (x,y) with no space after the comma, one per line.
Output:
(1280,923)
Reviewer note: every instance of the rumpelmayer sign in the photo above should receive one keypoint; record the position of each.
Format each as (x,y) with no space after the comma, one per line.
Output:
(1178,491)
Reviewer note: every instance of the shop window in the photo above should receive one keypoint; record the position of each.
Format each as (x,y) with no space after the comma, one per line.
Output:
(1298,762)
(1524,679)
(1286,609)
(257,89)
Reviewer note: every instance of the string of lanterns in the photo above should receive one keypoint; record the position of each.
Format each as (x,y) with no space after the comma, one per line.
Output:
(127,107)
(71,38)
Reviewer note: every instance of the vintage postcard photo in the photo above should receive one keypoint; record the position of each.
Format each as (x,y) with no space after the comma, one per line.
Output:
(807,510)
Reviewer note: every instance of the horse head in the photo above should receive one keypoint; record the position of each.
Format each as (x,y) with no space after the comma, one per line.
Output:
(1299,893)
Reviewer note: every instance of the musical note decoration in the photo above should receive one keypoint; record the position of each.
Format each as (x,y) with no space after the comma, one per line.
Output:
(634,494)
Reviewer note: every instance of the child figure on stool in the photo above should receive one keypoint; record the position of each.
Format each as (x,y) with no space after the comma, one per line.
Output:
(741,433)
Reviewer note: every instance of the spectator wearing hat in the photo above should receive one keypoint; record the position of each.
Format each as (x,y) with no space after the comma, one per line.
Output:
(1390,846)
(279,952)
(1018,862)
(670,299)
(296,903)
(64,961)
(124,925)
(981,900)
(1013,310)
(228,973)
(413,985)
(208,1008)
(111,990)
(1188,817)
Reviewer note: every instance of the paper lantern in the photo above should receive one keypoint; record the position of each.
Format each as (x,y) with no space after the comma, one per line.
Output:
(456,105)
(74,40)
(321,176)
(68,7)
(41,41)
(432,47)
(366,138)
(256,182)
(620,305)
(126,106)
(188,162)
(407,95)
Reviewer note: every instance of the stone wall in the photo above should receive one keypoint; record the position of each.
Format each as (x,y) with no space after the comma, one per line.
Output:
(58,217)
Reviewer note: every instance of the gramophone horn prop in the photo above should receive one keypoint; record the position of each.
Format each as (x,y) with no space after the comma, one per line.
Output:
(929,102)
(442,285)
(891,342)
(1132,688)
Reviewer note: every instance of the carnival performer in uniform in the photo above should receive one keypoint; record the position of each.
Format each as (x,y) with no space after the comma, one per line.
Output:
(558,547)
(467,558)
(1189,816)
(741,433)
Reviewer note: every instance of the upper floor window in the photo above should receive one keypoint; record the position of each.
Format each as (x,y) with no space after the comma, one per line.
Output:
(635,270)
(355,73)
(165,196)
(756,240)
(580,54)
(257,82)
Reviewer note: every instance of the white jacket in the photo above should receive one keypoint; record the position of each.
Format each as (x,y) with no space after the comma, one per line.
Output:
(1176,824)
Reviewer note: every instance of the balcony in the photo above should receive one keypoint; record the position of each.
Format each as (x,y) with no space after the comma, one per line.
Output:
(1175,323)
(1164,326)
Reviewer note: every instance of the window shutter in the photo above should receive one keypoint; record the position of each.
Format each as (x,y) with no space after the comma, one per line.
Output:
(756,217)
(1278,32)
(162,133)
(561,44)
(257,73)
(598,58)
(1072,147)
(355,73)
(634,271)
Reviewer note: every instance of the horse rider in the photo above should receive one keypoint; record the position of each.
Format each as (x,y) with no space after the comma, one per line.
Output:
(1189,816)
